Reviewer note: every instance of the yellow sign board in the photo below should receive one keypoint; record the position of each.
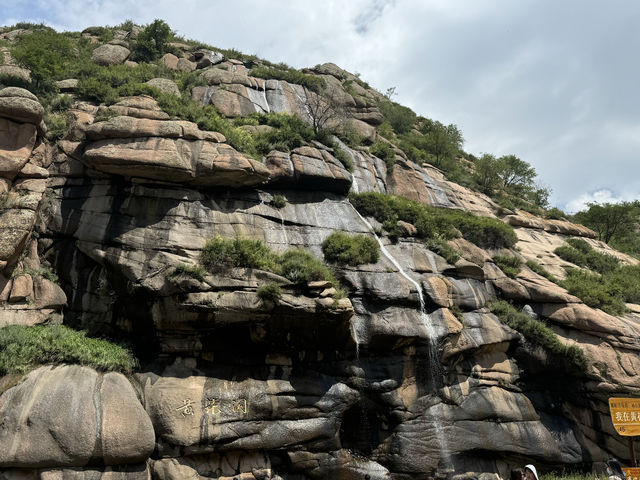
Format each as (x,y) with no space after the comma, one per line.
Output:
(632,473)
(625,415)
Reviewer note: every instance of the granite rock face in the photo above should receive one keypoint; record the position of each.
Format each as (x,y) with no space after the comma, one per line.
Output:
(409,376)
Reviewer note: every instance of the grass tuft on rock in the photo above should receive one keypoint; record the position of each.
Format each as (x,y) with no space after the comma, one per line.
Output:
(25,348)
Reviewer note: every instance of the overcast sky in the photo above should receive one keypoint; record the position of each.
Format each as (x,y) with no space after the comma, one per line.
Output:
(551,81)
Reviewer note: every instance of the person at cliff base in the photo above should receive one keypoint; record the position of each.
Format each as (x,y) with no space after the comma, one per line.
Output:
(614,470)
(530,472)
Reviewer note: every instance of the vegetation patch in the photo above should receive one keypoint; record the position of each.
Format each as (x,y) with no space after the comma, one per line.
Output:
(352,250)
(183,270)
(384,152)
(509,264)
(540,270)
(291,75)
(598,291)
(278,201)
(25,348)
(296,265)
(539,333)
(433,222)
(270,292)
(579,252)
(442,248)
(222,253)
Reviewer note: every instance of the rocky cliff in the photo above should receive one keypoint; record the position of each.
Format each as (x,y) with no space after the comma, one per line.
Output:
(409,376)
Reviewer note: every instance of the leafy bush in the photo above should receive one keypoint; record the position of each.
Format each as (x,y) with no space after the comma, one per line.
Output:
(152,42)
(183,270)
(595,290)
(56,126)
(579,244)
(385,152)
(432,222)
(350,249)
(442,248)
(47,55)
(278,201)
(510,265)
(539,333)
(61,103)
(298,266)
(222,253)
(580,253)
(540,270)
(554,214)
(271,292)
(627,281)
(24,348)
(288,132)
(399,117)
(288,74)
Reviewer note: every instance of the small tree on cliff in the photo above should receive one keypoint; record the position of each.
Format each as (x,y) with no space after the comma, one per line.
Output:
(152,41)
(324,109)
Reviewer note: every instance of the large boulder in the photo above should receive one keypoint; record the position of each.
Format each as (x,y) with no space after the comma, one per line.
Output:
(308,168)
(110,54)
(71,416)
(17,141)
(20,105)
(179,160)
(204,414)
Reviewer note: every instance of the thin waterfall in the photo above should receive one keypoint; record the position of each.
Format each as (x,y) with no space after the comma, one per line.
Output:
(264,95)
(434,363)
(284,230)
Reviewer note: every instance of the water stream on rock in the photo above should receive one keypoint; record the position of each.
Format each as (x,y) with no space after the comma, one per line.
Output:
(284,230)
(264,95)
(434,363)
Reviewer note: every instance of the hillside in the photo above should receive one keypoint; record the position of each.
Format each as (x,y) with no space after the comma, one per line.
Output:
(215,267)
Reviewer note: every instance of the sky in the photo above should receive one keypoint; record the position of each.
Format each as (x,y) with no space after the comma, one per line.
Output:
(552,81)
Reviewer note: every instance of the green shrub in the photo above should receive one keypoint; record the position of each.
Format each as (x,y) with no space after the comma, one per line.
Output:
(299,266)
(384,152)
(538,333)
(288,132)
(45,272)
(151,42)
(222,253)
(56,126)
(271,292)
(595,290)
(341,155)
(580,253)
(554,214)
(579,244)
(278,201)
(61,103)
(510,265)
(627,281)
(350,249)
(190,271)
(25,348)
(399,117)
(442,248)
(288,74)
(434,222)
(540,270)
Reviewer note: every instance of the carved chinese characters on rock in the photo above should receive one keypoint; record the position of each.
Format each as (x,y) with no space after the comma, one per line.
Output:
(215,407)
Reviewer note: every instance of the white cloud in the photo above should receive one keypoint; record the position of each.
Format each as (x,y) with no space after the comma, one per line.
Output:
(599,196)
